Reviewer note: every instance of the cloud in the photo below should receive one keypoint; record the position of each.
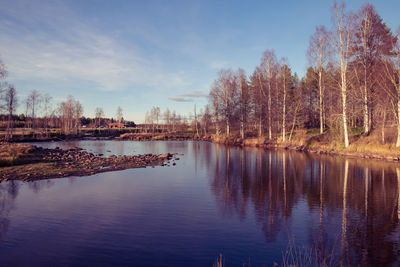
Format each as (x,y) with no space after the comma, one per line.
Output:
(196,94)
(180,99)
(47,41)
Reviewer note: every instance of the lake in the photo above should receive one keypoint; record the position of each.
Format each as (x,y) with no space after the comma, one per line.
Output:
(250,205)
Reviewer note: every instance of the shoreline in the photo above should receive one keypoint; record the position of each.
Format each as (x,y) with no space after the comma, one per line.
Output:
(31,162)
(307,145)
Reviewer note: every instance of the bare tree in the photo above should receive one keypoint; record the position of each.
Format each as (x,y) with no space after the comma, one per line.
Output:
(119,116)
(244,101)
(70,113)
(173,118)
(285,77)
(392,73)
(206,120)
(11,104)
(224,99)
(318,53)
(78,111)
(99,114)
(167,119)
(33,101)
(269,63)
(372,40)
(195,121)
(3,70)
(47,112)
(155,116)
(343,34)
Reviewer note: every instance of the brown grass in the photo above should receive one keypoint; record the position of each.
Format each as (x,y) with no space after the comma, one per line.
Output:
(219,262)
(12,153)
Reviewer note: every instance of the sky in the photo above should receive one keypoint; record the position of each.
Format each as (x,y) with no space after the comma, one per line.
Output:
(141,54)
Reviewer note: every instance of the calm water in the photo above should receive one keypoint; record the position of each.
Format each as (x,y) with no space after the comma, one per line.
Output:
(247,204)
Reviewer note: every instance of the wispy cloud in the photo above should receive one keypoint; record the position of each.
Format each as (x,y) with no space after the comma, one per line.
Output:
(180,99)
(50,42)
(196,94)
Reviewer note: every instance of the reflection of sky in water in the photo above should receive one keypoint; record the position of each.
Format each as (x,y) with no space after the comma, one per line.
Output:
(244,203)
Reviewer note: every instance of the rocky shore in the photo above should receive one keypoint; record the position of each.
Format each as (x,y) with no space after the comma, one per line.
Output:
(40,163)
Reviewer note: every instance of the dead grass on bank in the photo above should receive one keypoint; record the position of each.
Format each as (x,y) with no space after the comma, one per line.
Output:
(11,153)
(359,143)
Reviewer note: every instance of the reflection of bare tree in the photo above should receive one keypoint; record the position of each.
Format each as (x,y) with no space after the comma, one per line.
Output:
(357,199)
(8,194)
(36,186)
(344,216)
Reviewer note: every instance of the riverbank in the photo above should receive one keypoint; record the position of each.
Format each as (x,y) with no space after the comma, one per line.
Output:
(28,163)
(368,147)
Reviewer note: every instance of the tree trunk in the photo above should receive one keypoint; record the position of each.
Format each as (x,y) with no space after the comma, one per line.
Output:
(321,110)
(269,111)
(241,110)
(365,103)
(284,110)
(321,117)
(344,109)
(383,126)
(398,115)
(294,122)
(260,107)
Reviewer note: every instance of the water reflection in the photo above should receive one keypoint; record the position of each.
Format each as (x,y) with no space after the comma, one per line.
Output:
(8,194)
(248,203)
(356,203)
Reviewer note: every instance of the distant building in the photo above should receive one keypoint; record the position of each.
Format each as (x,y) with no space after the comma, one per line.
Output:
(116,125)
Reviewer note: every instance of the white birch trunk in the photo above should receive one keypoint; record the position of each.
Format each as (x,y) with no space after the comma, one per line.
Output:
(241,110)
(269,107)
(343,52)
(398,106)
(284,109)
(321,117)
(260,111)
(365,104)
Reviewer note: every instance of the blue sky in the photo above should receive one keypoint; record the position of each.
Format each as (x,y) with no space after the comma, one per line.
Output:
(140,54)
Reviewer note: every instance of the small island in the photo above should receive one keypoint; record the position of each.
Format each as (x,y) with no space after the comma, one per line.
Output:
(29,163)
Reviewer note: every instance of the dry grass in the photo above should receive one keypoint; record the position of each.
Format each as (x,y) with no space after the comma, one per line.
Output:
(304,256)
(219,262)
(12,153)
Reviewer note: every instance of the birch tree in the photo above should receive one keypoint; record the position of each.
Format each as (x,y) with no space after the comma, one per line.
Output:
(99,114)
(11,104)
(318,53)
(244,101)
(33,101)
(392,72)
(47,111)
(118,115)
(269,63)
(343,35)
(3,70)
(224,99)
(285,77)
(373,40)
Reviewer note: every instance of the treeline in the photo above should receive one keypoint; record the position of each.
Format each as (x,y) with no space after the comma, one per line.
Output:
(352,81)
(41,114)
(170,121)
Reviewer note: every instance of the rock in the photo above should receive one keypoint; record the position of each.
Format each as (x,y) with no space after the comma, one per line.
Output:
(165,156)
